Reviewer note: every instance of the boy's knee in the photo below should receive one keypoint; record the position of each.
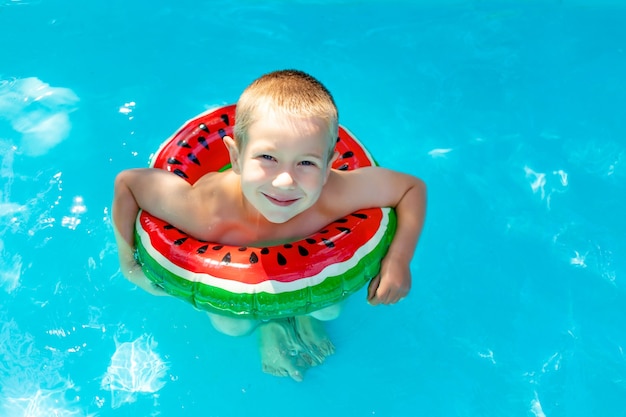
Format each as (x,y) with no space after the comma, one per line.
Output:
(327,313)
(231,326)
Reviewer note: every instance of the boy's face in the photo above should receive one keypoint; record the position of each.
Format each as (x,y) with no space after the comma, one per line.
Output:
(283,165)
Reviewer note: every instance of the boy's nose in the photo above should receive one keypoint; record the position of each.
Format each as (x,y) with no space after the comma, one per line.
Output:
(284,180)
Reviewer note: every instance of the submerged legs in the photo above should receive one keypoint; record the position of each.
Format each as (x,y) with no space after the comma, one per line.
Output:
(288,346)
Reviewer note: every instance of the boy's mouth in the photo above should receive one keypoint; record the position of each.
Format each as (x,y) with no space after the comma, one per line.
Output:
(280,201)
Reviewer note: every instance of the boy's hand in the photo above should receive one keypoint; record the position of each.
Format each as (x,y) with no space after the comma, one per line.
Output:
(391,285)
(132,271)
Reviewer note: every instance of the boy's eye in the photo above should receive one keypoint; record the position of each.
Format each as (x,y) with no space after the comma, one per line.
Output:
(308,163)
(267,157)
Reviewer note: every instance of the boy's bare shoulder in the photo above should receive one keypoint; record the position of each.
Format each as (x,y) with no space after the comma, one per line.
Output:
(347,183)
(365,187)
(345,191)
(215,205)
(218,184)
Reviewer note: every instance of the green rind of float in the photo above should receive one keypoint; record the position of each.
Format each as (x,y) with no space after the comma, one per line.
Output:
(263,305)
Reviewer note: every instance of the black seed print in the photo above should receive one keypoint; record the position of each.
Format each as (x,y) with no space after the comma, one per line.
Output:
(183,144)
(253,258)
(180,173)
(168,227)
(173,161)
(265,251)
(328,243)
(302,251)
(287,246)
(222,133)
(360,215)
(193,159)
(180,241)
(202,249)
(203,127)
(323,231)
(242,249)
(343,229)
(281,259)
(225,119)
(342,220)
(338,138)
(226,258)
(217,247)
(344,167)
(202,141)
(348,154)
(310,240)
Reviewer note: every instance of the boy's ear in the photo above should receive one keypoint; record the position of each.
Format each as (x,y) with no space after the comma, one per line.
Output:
(330,165)
(333,158)
(233,152)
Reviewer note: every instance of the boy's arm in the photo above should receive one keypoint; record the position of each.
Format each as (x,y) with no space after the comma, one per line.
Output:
(153,190)
(159,192)
(394,281)
(130,269)
(379,187)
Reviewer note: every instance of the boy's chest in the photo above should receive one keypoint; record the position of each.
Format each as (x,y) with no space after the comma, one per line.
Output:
(231,220)
(260,232)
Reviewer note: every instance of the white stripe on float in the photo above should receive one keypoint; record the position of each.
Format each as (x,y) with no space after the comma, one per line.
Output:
(269,286)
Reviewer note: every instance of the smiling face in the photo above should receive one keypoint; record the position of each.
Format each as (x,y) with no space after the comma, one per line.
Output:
(283,165)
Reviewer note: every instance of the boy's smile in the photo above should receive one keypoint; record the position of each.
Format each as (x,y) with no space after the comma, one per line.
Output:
(284,202)
(283,165)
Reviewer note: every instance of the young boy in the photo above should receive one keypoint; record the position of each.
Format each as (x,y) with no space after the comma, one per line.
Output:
(281,188)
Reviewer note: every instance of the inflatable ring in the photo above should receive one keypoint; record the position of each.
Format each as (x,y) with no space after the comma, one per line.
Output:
(258,282)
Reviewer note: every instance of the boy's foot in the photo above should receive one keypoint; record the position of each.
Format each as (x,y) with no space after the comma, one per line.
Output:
(314,337)
(290,346)
(282,354)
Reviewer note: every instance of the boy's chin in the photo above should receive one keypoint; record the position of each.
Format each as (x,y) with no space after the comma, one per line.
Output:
(278,219)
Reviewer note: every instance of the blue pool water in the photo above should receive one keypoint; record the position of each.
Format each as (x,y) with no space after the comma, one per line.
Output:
(514,113)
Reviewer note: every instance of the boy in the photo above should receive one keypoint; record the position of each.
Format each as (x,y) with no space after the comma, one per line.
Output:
(281,188)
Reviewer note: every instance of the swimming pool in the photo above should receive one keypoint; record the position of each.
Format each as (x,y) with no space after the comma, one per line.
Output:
(512,112)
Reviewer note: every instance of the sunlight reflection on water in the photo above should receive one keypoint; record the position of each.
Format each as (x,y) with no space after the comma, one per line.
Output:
(135,368)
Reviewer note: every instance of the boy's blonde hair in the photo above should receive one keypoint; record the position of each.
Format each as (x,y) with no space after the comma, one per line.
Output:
(293,92)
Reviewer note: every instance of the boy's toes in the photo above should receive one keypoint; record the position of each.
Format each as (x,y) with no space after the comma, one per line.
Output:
(274,371)
(327,347)
(296,376)
(294,373)
(308,360)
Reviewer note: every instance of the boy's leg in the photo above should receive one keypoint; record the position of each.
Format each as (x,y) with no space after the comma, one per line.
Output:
(232,326)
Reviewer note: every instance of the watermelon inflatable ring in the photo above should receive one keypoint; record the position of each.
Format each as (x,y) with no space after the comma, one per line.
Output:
(291,279)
